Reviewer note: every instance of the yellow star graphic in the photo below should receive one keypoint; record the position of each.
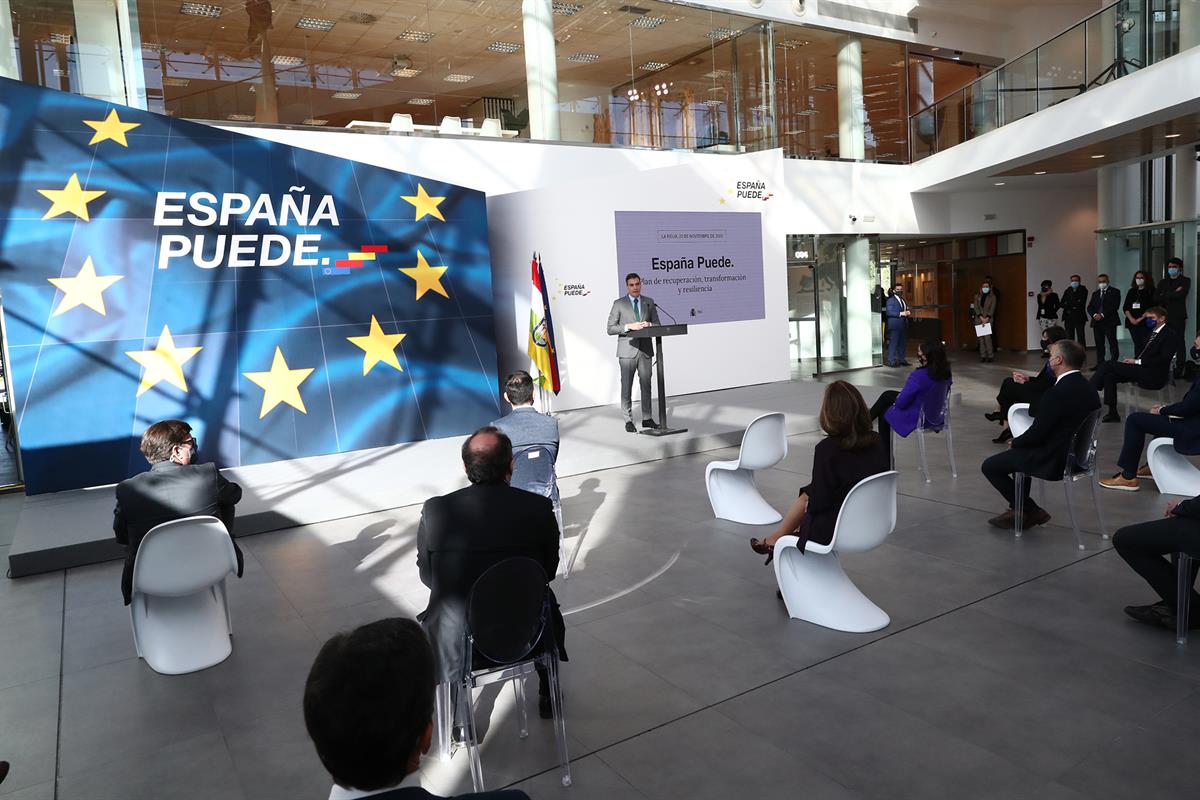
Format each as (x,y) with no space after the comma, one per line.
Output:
(428,278)
(111,128)
(280,385)
(425,205)
(72,197)
(85,289)
(378,347)
(163,363)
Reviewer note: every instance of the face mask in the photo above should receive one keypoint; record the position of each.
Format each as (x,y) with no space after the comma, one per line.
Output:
(1140,281)
(1074,284)
(985,290)
(1045,288)
(1195,354)
(1102,286)
(1150,323)
(1173,272)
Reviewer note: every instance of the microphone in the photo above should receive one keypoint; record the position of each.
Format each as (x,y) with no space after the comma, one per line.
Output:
(658,305)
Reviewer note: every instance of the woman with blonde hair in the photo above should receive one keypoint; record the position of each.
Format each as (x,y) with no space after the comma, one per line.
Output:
(850,451)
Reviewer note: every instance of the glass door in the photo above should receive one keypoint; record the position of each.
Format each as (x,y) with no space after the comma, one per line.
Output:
(10,456)
(848,303)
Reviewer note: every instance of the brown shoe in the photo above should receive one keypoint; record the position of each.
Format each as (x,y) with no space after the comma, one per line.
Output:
(1039,517)
(1004,521)
(1121,483)
(1144,472)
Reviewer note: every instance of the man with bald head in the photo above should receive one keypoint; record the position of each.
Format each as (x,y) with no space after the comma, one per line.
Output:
(464,533)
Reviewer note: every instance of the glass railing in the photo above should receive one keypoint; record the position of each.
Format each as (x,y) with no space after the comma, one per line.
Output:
(1110,44)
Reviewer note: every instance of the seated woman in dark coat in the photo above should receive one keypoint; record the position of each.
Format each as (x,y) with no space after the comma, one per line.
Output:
(1022,388)
(850,452)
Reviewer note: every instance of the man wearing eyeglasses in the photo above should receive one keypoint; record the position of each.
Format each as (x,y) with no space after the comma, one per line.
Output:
(173,488)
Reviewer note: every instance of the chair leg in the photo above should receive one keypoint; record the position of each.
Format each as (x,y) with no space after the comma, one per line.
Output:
(443,720)
(1067,483)
(1099,510)
(1018,504)
(522,716)
(467,715)
(1183,596)
(560,724)
(950,451)
(922,461)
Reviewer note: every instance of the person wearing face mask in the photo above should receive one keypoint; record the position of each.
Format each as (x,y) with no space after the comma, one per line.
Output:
(1180,421)
(1149,369)
(1138,299)
(1047,308)
(925,389)
(898,315)
(1172,294)
(985,313)
(1104,312)
(1022,388)
(175,487)
(1074,308)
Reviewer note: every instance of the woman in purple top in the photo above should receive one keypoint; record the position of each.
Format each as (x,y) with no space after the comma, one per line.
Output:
(925,388)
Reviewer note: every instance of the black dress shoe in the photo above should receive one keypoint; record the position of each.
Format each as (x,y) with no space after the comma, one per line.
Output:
(545,708)
(1004,436)
(651,424)
(1155,616)
(1111,416)
(629,426)
(994,416)
(905,364)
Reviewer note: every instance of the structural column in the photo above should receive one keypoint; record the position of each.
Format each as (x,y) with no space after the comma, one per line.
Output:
(1189,24)
(109,52)
(851,111)
(8,44)
(541,69)
(859,319)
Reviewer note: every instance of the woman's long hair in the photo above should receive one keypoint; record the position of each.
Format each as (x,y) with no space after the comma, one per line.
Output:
(844,417)
(1149,281)
(936,362)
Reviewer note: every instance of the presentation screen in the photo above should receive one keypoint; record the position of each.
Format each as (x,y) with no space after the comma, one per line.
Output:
(699,266)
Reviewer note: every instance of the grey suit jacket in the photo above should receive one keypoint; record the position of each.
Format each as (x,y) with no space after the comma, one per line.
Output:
(526,427)
(621,315)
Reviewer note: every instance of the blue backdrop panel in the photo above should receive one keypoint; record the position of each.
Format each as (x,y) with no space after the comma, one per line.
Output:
(352,311)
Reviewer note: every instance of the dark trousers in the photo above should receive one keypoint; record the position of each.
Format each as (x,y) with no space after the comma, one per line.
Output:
(1136,427)
(999,469)
(1147,547)
(1181,354)
(1105,334)
(640,365)
(1075,330)
(897,349)
(885,401)
(1109,375)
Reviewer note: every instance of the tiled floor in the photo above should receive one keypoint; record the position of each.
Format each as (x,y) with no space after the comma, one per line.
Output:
(1008,671)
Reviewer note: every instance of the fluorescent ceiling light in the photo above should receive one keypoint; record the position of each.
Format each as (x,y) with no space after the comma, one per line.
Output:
(415,36)
(1174,135)
(347,95)
(721,33)
(998,183)
(241,117)
(653,65)
(455,77)
(649,22)
(1101,155)
(200,10)
(583,58)
(315,122)
(1040,172)
(507,48)
(287,61)
(566,9)
(315,24)
(406,72)
(421,101)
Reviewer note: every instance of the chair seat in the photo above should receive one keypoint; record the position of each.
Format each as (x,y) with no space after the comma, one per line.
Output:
(1173,473)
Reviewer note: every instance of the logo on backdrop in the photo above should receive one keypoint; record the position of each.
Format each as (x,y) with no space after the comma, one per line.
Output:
(747,190)
(146,281)
(571,289)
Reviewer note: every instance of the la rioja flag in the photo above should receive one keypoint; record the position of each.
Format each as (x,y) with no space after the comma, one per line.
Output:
(542,353)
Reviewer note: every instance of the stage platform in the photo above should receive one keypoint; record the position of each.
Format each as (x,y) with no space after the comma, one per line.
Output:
(70,529)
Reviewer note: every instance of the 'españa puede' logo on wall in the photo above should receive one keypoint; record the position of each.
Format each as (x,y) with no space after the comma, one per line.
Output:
(747,190)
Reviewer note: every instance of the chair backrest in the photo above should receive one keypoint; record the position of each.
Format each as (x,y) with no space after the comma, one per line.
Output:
(450,125)
(507,611)
(490,127)
(401,123)
(533,470)
(1081,457)
(764,444)
(940,417)
(868,514)
(183,556)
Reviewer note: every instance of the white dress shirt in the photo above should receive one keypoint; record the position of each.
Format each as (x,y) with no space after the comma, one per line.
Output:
(411,781)
(1065,374)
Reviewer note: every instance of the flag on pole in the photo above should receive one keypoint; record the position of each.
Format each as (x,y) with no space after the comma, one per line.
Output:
(542,353)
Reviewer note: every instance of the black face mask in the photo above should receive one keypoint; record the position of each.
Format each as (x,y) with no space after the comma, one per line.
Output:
(1195,354)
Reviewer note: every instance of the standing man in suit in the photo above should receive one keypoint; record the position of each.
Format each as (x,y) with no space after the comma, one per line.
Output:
(1041,451)
(464,533)
(174,488)
(1104,310)
(1180,421)
(1150,369)
(1074,308)
(368,708)
(1172,294)
(898,316)
(1148,547)
(634,312)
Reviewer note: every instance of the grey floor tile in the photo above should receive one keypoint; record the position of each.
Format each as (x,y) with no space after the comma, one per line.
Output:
(200,767)
(592,780)
(28,731)
(1146,762)
(95,635)
(42,791)
(274,758)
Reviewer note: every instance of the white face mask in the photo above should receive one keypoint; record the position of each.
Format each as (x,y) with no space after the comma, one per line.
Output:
(1140,281)
(1102,286)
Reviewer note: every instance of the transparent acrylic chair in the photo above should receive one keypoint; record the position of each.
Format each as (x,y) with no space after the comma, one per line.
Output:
(1185,578)
(935,426)
(1081,465)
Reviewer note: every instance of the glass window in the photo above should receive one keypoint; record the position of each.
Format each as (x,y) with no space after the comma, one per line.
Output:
(950,121)
(1018,88)
(1060,65)
(983,105)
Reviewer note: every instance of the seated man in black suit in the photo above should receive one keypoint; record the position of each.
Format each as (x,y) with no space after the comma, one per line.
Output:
(368,707)
(1150,369)
(1041,451)
(1022,388)
(173,488)
(1180,421)
(464,533)
(1148,547)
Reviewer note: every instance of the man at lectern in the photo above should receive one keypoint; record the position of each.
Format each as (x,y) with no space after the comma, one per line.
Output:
(631,313)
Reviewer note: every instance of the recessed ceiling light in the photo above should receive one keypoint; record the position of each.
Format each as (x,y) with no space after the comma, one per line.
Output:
(1040,172)
(316,122)
(200,10)
(421,101)
(998,183)
(360,18)
(921,242)
(405,72)
(347,95)
(1098,155)
(566,9)
(455,77)
(287,61)
(315,24)
(60,38)
(503,47)
(716,74)
(649,22)
(721,33)
(1174,135)
(583,58)
(653,65)
(241,117)
(415,36)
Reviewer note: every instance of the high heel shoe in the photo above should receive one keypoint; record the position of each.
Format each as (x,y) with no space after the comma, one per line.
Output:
(994,416)
(762,548)
(1004,436)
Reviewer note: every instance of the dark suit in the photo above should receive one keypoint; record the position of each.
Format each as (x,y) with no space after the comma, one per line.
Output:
(1147,547)
(1106,302)
(169,491)
(1180,421)
(1153,371)
(1012,392)
(1041,451)
(1074,308)
(460,536)
(897,330)
(1172,294)
(417,793)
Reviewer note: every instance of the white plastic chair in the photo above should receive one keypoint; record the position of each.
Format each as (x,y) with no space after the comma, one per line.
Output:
(179,611)
(731,489)
(1172,472)
(1081,465)
(813,584)
(1019,419)
(401,123)
(451,125)
(490,127)
(924,426)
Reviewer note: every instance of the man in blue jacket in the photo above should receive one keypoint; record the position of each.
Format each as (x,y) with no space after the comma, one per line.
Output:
(897,327)
(1180,421)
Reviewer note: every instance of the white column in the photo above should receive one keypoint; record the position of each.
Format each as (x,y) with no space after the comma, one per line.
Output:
(1183,204)
(1119,195)
(851,112)
(8,44)
(1189,24)
(541,69)
(108,52)
(859,321)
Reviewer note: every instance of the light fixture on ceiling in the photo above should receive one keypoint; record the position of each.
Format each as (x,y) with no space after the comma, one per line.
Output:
(651,66)
(421,101)
(717,34)
(60,38)
(1040,172)
(240,117)
(566,9)
(152,46)
(415,36)
(583,58)
(1098,155)
(360,18)
(649,22)
(405,72)
(713,103)
(347,95)
(456,77)
(287,61)
(200,10)
(315,122)
(1174,135)
(661,89)
(315,24)
(998,183)
(173,81)
(507,48)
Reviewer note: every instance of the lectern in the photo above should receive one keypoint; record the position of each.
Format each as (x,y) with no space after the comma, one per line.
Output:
(656,332)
